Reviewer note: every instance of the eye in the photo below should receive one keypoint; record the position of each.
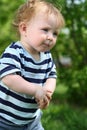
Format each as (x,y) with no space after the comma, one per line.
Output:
(45,29)
(55,34)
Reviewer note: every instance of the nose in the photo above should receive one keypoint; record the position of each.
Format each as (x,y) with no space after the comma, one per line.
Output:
(50,36)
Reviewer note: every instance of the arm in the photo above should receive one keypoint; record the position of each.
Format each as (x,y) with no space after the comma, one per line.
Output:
(50,85)
(18,84)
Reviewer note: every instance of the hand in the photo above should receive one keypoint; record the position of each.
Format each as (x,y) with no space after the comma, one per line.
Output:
(44,103)
(39,94)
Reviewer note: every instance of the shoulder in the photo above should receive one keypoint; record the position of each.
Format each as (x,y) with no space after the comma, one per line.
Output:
(13,49)
(14,46)
(12,52)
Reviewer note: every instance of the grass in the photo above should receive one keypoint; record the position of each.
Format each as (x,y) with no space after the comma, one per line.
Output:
(64,117)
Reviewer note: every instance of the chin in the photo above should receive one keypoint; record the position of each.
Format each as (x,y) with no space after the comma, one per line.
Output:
(44,50)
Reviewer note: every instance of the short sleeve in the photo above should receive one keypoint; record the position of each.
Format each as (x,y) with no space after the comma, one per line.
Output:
(51,67)
(53,73)
(9,62)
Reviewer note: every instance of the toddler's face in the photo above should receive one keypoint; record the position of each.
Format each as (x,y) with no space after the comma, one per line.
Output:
(41,32)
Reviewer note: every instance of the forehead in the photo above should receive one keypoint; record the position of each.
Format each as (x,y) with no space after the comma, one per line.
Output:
(44,11)
(49,11)
(46,19)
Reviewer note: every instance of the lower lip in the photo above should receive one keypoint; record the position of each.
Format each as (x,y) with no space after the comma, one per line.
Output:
(46,45)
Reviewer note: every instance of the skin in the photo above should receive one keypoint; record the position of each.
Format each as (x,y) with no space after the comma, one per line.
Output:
(38,35)
(44,32)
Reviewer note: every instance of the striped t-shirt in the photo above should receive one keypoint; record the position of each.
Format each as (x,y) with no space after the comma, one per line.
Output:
(16,107)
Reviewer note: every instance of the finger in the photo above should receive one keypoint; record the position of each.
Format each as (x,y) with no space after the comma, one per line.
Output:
(45,99)
(44,106)
(48,96)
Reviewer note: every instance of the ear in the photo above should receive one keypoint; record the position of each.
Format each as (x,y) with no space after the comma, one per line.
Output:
(22,28)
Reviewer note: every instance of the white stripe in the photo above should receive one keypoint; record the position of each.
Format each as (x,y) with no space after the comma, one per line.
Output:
(16,112)
(15,121)
(17,102)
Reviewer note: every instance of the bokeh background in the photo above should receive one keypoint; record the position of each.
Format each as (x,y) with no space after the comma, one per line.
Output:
(68,108)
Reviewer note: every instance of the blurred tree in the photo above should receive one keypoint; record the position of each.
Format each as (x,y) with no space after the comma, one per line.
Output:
(72,43)
(7,11)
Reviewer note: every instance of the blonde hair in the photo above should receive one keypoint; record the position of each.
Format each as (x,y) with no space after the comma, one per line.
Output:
(29,9)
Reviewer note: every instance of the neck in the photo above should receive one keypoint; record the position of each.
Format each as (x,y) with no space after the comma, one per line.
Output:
(35,54)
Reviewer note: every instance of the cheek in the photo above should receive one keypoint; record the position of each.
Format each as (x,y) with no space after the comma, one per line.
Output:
(55,40)
(54,43)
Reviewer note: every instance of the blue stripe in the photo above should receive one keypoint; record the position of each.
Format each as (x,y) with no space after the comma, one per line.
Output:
(52,73)
(8,68)
(47,52)
(15,46)
(15,116)
(35,70)
(21,109)
(12,56)
(33,80)
(10,93)
(27,59)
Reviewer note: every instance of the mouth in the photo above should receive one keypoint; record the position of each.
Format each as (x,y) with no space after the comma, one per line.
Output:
(47,44)
(45,47)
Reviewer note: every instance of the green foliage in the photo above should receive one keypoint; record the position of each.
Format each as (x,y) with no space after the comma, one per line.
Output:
(78,90)
(7,10)
(72,80)
(64,117)
(74,45)
(74,85)
(72,42)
